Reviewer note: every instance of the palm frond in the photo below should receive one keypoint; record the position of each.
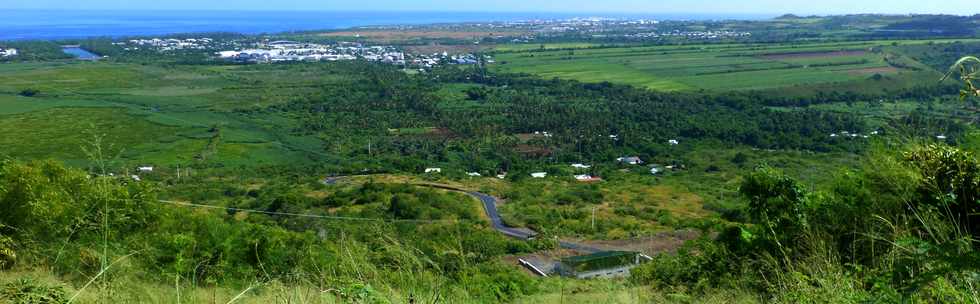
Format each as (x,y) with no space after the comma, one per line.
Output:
(960,65)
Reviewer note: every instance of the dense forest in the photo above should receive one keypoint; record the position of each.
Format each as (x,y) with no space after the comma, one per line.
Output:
(585,121)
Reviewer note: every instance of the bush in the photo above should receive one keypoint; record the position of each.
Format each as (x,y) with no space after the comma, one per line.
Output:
(31,291)
(29,92)
(7,254)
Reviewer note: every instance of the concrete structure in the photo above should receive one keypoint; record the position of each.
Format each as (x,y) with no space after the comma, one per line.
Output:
(606,264)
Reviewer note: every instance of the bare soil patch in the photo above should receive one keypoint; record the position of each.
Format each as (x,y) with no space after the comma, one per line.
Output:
(451,49)
(664,242)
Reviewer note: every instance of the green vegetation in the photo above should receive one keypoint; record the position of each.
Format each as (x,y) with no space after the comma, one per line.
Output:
(816,171)
(896,229)
(726,66)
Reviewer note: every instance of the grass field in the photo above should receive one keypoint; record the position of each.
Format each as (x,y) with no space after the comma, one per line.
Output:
(544,46)
(717,67)
(151,114)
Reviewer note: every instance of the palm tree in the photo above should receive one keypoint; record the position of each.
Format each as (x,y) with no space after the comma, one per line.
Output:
(969,70)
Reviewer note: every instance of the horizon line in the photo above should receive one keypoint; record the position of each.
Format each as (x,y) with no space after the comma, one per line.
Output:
(596,13)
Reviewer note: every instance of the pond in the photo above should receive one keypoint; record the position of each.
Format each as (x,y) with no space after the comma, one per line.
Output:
(80,53)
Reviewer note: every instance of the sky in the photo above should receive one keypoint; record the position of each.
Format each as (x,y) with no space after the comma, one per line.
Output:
(820,7)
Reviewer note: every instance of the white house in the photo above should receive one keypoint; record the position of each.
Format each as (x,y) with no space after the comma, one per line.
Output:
(8,52)
(145,169)
(581,166)
(941,137)
(228,54)
(587,178)
(473,174)
(433,170)
(539,174)
(630,160)
(673,142)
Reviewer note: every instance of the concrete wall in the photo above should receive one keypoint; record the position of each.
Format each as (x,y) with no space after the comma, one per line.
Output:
(619,272)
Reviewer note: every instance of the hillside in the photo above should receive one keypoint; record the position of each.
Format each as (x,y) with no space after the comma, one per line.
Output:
(790,171)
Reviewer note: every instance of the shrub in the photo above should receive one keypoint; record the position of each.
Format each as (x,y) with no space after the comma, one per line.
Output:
(779,204)
(29,92)
(7,254)
(31,291)
(951,180)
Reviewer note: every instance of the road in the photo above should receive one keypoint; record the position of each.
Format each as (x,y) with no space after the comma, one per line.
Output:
(490,206)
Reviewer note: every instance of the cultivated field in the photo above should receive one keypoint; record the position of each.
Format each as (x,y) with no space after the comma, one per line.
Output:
(149,115)
(719,67)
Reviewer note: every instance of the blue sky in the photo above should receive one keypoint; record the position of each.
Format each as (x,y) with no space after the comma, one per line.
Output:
(962,7)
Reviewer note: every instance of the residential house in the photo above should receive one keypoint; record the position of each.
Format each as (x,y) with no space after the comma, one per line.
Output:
(656,169)
(630,160)
(539,174)
(433,170)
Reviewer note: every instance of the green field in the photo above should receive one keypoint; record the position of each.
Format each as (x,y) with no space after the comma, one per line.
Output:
(149,114)
(721,67)
(545,46)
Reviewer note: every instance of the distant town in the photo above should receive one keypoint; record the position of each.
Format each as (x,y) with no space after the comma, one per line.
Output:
(8,52)
(285,51)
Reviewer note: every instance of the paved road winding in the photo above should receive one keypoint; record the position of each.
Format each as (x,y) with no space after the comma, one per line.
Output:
(490,206)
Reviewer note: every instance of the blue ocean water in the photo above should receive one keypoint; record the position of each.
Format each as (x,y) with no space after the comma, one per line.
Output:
(62,24)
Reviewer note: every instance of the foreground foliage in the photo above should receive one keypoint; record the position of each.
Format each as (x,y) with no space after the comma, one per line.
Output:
(901,228)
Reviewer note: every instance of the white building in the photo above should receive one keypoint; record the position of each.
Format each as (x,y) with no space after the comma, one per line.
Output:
(673,142)
(145,169)
(8,52)
(587,178)
(433,170)
(539,174)
(630,160)
(581,166)
(473,174)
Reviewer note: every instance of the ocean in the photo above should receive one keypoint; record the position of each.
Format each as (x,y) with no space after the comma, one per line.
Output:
(63,24)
